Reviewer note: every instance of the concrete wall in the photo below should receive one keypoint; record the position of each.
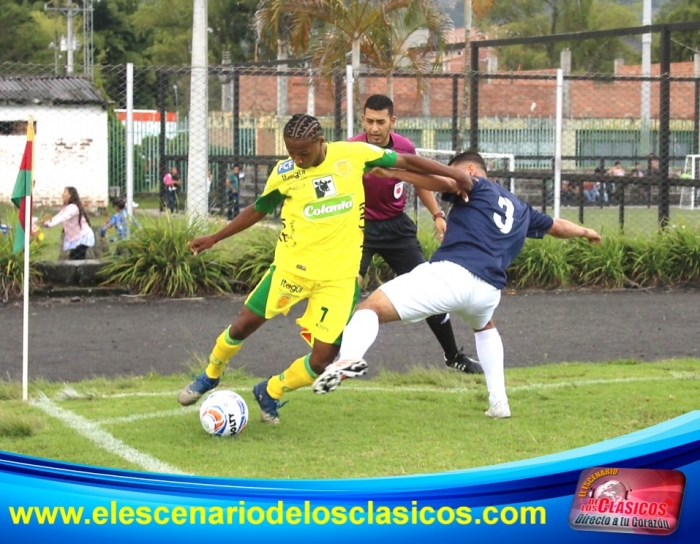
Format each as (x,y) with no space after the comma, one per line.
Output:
(70,149)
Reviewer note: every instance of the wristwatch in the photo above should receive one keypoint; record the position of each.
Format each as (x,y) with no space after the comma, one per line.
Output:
(438,214)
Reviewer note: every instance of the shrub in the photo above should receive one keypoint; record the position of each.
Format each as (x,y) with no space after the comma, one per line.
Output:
(12,267)
(253,253)
(541,263)
(157,261)
(681,262)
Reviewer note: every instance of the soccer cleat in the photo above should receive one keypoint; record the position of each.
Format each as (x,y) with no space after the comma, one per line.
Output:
(194,391)
(500,410)
(464,364)
(268,405)
(336,372)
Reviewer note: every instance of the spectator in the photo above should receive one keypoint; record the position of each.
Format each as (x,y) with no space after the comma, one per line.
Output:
(171,181)
(590,191)
(117,221)
(568,193)
(653,173)
(233,187)
(77,232)
(609,187)
(641,189)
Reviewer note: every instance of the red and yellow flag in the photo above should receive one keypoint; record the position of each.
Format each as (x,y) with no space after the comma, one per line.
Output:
(23,188)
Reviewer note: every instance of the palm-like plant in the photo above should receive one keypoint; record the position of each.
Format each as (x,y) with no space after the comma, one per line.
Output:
(390,46)
(329,28)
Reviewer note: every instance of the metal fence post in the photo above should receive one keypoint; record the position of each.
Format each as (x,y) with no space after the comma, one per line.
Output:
(236,114)
(664,126)
(696,105)
(456,144)
(338,108)
(474,97)
(161,140)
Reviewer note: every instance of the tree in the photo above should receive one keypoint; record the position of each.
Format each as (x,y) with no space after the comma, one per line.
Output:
(115,39)
(22,39)
(329,29)
(166,25)
(521,18)
(686,42)
(232,29)
(389,47)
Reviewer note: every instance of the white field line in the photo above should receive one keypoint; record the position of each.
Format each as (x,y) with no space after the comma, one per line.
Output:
(93,432)
(435,389)
(411,389)
(137,417)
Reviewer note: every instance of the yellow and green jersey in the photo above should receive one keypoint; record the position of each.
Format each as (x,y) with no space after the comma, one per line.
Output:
(323,210)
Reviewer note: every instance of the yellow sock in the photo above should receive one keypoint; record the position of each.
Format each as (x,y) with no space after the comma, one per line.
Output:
(225,348)
(299,374)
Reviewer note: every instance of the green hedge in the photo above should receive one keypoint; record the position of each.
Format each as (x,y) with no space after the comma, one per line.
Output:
(156,261)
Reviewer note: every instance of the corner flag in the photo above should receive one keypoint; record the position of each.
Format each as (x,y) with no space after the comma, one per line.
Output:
(23,189)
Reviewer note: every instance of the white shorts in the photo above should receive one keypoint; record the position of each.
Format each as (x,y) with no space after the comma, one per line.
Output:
(442,287)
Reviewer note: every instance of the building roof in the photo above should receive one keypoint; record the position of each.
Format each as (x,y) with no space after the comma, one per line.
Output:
(49,90)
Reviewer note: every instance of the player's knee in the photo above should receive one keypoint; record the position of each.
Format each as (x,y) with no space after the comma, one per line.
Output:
(381,305)
(319,360)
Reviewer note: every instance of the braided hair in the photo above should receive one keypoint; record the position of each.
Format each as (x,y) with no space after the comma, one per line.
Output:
(302,126)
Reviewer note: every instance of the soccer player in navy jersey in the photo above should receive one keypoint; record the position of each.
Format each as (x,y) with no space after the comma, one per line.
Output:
(485,231)
(389,232)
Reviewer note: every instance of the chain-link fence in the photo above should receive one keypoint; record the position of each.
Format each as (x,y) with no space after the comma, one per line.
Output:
(644,117)
(614,148)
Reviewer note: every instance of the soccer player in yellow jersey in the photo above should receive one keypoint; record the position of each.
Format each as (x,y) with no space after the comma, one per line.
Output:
(317,255)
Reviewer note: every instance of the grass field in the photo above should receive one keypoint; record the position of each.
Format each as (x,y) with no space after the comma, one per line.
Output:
(638,220)
(423,421)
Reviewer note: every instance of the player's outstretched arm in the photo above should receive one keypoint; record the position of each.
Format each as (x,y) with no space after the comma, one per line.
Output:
(425,182)
(247,218)
(423,165)
(561,228)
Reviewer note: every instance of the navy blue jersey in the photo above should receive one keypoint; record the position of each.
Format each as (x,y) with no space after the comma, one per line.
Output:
(485,234)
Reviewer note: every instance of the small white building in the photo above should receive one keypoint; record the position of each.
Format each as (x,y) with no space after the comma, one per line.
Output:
(71,140)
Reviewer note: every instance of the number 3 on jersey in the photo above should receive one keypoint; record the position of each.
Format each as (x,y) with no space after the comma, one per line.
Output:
(504,221)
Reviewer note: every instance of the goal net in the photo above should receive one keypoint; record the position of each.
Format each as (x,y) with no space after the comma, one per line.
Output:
(691,170)
(495,162)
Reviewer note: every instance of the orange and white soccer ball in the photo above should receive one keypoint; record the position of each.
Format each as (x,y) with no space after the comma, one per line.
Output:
(224,413)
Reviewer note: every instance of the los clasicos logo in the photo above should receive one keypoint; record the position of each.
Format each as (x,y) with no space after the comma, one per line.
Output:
(628,500)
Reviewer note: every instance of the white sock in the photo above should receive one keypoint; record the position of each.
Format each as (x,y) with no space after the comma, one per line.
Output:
(359,335)
(489,348)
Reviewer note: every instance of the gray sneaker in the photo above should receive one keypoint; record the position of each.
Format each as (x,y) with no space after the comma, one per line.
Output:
(194,391)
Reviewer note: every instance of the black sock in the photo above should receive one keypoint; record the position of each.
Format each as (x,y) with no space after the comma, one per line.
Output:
(442,329)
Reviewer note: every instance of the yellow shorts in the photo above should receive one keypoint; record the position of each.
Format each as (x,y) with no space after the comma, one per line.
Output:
(329,309)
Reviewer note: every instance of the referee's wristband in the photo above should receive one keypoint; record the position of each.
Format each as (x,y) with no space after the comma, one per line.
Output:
(438,214)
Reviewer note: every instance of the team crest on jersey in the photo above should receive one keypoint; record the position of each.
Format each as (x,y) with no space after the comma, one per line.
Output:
(286,166)
(398,190)
(343,168)
(324,187)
